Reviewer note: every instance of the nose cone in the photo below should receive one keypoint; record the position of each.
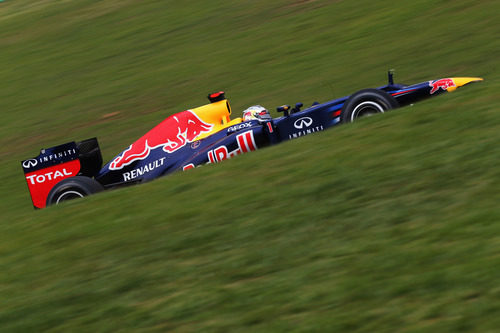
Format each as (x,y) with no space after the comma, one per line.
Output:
(462,81)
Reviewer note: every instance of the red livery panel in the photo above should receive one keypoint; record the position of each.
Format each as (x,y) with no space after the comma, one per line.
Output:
(40,182)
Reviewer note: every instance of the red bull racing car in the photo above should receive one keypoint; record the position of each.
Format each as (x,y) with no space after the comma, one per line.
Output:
(206,135)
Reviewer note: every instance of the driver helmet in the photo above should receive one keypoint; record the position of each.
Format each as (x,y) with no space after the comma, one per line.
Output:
(256,112)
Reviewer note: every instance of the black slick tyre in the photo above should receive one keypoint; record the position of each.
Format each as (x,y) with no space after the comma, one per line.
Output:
(365,103)
(72,188)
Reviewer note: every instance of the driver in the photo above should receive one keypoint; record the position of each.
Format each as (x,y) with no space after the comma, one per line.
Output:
(256,112)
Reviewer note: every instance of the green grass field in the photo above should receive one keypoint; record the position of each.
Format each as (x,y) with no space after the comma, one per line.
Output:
(391,224)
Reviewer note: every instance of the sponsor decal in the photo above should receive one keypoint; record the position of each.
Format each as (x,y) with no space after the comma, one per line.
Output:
(57,156)
(246,143)
(441,84)
(239,127)
(48,176)
(302,122)
(195,144)
(131,175)
(305,125)
(31,163)
(305,132)
(40,182)
(171,134)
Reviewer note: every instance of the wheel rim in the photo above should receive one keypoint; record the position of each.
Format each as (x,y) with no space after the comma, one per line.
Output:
(68,195)
(366,109)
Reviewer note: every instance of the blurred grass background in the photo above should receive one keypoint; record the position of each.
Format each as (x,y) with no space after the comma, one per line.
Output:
(388,224)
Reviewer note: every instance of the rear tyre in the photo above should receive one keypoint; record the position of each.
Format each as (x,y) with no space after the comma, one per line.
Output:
(72,188)
(366,103)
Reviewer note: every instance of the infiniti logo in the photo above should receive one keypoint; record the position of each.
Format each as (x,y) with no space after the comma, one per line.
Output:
(30,163)
(303,122)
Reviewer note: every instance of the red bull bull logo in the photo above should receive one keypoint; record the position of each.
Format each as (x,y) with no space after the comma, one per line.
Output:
(441,84)
(171,134)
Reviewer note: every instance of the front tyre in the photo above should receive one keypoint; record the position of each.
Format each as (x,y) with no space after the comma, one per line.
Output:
(72,188)
(366,103)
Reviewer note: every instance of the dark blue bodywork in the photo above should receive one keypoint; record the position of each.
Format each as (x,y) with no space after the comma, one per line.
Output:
(224,144)
(228,142)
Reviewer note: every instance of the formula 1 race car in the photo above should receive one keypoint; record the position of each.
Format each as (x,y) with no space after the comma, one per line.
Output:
(204,135)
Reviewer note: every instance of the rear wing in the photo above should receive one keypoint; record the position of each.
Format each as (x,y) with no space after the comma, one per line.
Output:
(56,163)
